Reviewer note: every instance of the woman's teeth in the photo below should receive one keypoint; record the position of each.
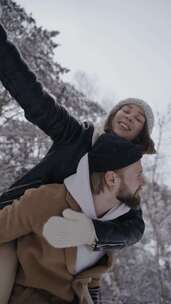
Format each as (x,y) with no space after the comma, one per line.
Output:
(124,126)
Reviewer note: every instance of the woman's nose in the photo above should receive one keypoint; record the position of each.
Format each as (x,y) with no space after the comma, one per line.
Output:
(129,117)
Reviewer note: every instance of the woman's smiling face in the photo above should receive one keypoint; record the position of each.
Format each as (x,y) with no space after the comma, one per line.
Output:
(128,121)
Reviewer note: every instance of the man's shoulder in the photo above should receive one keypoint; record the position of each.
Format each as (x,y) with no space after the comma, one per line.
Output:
(47,200)
(44,191)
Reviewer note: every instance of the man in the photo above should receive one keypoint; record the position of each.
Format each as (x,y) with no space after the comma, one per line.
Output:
(53,275)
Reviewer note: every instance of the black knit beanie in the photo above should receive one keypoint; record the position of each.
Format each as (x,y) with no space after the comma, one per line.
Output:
(112,152)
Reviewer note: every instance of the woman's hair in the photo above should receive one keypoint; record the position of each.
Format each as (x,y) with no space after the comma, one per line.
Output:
(143,138)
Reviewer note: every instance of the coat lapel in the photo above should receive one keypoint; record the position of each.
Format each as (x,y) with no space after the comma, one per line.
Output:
(71,252)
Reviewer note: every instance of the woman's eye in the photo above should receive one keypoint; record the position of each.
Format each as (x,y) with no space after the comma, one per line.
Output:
(126,111)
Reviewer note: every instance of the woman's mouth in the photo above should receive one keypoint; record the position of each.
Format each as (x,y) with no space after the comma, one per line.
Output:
(124,126)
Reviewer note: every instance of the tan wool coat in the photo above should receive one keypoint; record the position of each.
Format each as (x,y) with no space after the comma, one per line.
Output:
(41,266)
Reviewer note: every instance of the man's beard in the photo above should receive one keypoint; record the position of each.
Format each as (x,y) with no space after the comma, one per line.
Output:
(131,200)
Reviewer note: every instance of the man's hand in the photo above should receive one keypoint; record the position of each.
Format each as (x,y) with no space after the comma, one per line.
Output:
(73,229)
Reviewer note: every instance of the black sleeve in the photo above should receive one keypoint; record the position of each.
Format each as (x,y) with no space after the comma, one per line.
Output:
(124,231)
(39,106)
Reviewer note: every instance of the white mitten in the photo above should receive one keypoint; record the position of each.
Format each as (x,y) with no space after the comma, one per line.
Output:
(73,229)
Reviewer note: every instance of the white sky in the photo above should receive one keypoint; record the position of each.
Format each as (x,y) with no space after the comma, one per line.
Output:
(126,44)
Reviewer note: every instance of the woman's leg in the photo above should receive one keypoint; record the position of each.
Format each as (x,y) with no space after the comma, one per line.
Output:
(8,266)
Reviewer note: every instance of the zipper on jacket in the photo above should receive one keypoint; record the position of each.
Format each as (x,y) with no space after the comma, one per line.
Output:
(109,245)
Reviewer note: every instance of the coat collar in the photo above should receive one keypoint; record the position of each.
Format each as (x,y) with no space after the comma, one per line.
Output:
(79,198)
(71,252)
(78,185)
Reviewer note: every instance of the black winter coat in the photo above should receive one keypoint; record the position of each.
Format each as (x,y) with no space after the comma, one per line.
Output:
(71,140)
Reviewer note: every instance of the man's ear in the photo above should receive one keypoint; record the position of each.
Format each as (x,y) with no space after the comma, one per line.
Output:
(112,179)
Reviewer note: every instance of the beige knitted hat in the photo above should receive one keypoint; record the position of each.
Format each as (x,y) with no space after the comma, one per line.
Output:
(139,102)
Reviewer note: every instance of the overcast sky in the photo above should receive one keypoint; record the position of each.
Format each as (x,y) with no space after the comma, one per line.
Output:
(126,44)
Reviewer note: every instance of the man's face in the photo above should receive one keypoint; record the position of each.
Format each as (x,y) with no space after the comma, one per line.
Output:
(128,121)
(132,181)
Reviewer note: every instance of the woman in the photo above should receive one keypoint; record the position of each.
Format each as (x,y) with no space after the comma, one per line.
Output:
(132,119)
